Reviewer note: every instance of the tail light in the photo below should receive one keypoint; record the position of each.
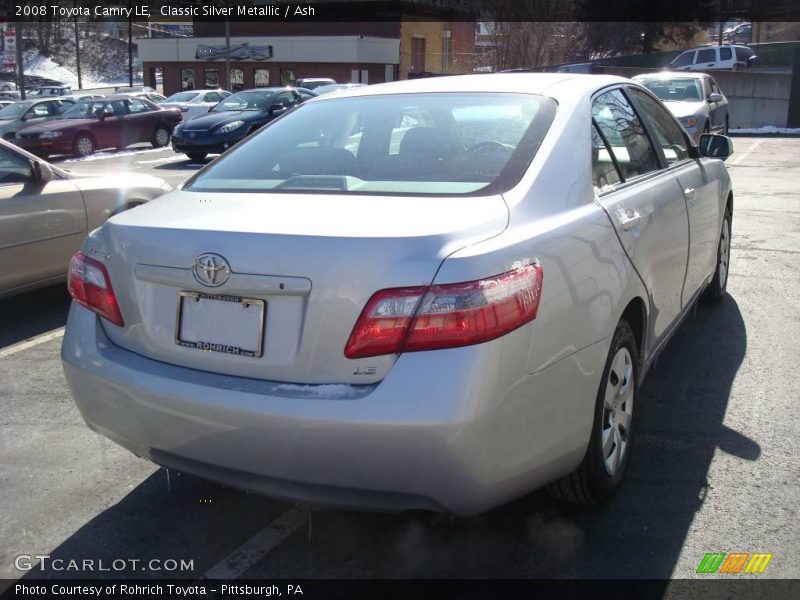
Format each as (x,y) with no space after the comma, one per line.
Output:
(90,285)
(445,316)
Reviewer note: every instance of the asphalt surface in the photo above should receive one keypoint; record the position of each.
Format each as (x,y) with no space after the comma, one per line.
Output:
(715,467)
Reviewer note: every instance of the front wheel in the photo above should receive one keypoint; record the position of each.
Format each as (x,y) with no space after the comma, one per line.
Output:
(719,284)
(197,156)
(603,468)
(160,137)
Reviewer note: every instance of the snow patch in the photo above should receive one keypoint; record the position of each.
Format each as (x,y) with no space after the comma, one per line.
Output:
(768,129)
(109,154)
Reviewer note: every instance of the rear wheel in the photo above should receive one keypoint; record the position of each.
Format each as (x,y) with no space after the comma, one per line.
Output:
(160,137)
(719,284)
(606,460)
(83,145)
(197,156)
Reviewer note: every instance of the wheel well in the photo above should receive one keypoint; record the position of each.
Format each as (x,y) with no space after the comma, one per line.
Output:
(729,203)
(127,206)
(635,314)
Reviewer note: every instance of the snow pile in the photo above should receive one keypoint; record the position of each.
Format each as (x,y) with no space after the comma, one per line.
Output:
(767,129)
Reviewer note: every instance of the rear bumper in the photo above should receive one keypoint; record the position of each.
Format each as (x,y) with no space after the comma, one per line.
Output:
(441,432)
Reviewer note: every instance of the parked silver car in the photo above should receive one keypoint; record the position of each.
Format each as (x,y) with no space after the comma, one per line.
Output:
(425,294)
(46,212)
(695,98)
(25,113)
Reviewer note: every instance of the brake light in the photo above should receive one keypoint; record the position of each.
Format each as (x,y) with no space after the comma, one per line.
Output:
(90,285)
(446,316)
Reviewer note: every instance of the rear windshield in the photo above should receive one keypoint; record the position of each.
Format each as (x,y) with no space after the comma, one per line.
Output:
(435,143)
(183,97)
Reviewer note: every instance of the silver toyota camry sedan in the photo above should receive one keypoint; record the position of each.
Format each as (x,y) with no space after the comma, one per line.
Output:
(427,294)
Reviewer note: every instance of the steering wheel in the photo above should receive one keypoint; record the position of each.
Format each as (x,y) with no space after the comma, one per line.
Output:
(489,147)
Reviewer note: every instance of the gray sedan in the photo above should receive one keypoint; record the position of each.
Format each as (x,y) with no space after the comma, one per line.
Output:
(30,112)
(45,213)
(426,294)
(695,98)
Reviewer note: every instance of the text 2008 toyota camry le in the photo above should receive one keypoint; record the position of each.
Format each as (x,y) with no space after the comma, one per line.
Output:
(419,295)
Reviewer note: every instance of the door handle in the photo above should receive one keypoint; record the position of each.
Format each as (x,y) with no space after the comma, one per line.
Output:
(688,193)
(628,218)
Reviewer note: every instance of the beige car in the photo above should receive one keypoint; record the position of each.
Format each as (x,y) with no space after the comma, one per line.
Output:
(46,212)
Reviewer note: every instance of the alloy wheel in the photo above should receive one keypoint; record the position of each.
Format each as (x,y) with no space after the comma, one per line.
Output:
(617,411)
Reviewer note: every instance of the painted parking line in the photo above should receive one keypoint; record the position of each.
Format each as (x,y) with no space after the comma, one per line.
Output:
(257,547)
(740,159)
(33,342)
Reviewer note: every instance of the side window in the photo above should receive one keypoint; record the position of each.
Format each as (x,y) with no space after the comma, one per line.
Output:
(714,86)
(684,60)
(117,108)
(604,171)
(285,98)
(706,56)
(38,110)
(14,168)
(668,133)
(212,97)
(137,106)
(305,95)
(63,106)
(725,54)
(622,129)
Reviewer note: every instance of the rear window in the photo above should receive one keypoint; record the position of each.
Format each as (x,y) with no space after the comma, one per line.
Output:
(743,54)
(437,144)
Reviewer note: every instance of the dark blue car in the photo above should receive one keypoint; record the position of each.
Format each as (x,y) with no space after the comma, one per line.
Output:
(234,119)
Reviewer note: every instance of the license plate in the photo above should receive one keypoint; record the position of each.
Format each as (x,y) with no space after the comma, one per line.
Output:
(220,323)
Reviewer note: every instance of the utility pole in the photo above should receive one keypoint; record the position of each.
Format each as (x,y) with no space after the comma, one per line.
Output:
(77,49)
(20,66)
(130,46)
(228,54)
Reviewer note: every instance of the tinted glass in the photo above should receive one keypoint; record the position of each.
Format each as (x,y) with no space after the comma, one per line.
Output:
(668,133)
(622,129)
(706,56)
(441,144)
(137,106)
(683,60)
(14,168)
(725,54)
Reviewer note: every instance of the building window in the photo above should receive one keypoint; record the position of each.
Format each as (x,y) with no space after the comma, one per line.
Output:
(287,76)
(187,79)
(211,78)
(261,77)
(237,80)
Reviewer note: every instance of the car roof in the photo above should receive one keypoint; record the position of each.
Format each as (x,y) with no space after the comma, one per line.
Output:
(555,85)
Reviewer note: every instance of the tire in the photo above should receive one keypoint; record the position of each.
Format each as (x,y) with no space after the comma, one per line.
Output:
(197,156)
(83,145)
(160,137)
(717,289)
(601,473)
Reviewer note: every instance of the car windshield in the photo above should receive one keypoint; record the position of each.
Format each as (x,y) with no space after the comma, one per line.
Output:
(408,144)
(85,110)
(244,101)
(675,90)
(182,97)
(14,110)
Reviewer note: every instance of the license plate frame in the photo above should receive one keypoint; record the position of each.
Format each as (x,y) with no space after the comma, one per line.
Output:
(208,346)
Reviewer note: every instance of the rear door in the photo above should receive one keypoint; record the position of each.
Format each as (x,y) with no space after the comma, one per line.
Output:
(701,191)
(644,202)
(706,59)
(140,121)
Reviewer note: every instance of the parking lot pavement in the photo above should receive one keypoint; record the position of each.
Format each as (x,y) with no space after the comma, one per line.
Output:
(716,467)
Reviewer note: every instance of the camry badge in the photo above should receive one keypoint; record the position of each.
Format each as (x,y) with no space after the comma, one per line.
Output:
(211,270)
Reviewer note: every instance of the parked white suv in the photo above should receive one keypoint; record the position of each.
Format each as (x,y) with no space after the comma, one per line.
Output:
(704,58)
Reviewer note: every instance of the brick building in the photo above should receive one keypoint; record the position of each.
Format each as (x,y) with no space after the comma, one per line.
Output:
(267,53)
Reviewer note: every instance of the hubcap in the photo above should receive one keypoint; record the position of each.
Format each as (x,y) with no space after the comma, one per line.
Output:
(84,146)
(724,253)
(617,411)
(162,137)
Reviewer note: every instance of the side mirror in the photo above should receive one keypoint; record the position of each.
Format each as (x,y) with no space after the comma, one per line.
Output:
(277,109)
(42,171)
(715,146)
(715,97)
